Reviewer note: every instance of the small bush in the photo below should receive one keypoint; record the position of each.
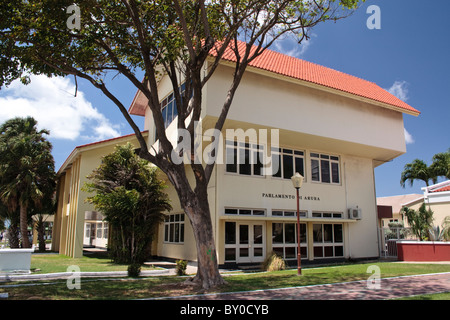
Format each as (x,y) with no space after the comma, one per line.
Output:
(134,270)
(274,263)
(181,267)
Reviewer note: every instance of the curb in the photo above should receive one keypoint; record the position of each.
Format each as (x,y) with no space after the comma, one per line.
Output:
(65,275)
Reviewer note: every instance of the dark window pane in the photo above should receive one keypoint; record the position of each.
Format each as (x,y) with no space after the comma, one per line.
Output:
(257,234)
(230,232)
(231,160)
(315,174)
(276,164)
(257,164)
(328,251)
(338,233)
(339,251)
(230,254)
(177,232)
(302,233)
(277,213)
(335,172)
(303,252)
(277,233)
(289,233)
(299,166)
(325,170)
(231,211)
(278,252)
(258,252)
(290,252)
(244,162)
(317,233)
(327,233)
(243,252)
(288,166)
(243,234)
(171,232)
(169,114)
(318,252)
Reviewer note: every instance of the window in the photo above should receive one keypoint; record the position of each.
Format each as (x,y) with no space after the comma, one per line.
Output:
(287,213)
(174,228)
(244,158)
(169,109)
(245,212)
(325,168)
(105,230)
(99,230)
(290,162)
(333,215)
(284,240)
(88,230)
(328,240)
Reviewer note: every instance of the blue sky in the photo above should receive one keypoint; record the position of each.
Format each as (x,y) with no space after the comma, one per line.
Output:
(409,55)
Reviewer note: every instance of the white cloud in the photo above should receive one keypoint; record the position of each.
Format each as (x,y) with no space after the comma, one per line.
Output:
(400,90)
(408,137)
(52,103)
(289,46)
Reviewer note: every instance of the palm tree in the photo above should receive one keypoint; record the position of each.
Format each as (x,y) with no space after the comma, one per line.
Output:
(27,170)
(132,198)
(420,221)
(446,228)
(417,170)
(441,164)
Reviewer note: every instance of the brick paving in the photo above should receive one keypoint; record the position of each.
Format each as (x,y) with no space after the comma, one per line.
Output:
(389,288)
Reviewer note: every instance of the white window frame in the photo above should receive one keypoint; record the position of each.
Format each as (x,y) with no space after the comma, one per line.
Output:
(171,222)
(331,159)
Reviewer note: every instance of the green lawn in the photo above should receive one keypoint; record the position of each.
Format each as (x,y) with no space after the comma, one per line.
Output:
(161,286)
(50,263)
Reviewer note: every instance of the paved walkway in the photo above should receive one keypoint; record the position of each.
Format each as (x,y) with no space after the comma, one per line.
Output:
(389,288)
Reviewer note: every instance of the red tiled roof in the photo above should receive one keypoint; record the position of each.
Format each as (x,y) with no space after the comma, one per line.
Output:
(446,188)
(310,72)
(299,69)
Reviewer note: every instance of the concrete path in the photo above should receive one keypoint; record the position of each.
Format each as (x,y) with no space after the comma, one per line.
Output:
(389,288)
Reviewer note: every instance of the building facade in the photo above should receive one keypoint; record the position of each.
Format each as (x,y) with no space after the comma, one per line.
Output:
(332,128)
(76,223)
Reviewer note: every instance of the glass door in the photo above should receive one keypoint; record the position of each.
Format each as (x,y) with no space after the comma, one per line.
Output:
(250,244)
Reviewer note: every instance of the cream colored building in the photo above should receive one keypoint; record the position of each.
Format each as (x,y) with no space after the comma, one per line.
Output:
(76,223)
(397,203)
(437,199)
(333,128)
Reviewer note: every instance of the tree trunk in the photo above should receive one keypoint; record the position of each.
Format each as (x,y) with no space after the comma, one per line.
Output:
(197,209)
(24,226)
(13,235)
(40,228)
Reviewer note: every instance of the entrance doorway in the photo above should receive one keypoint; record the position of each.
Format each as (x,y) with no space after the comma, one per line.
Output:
(245,242)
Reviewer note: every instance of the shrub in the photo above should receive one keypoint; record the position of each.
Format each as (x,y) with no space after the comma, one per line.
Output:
(134,270)
(274,263)
(181,267)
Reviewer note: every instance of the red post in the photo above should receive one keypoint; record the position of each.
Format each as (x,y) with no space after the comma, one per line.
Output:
(299,266)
